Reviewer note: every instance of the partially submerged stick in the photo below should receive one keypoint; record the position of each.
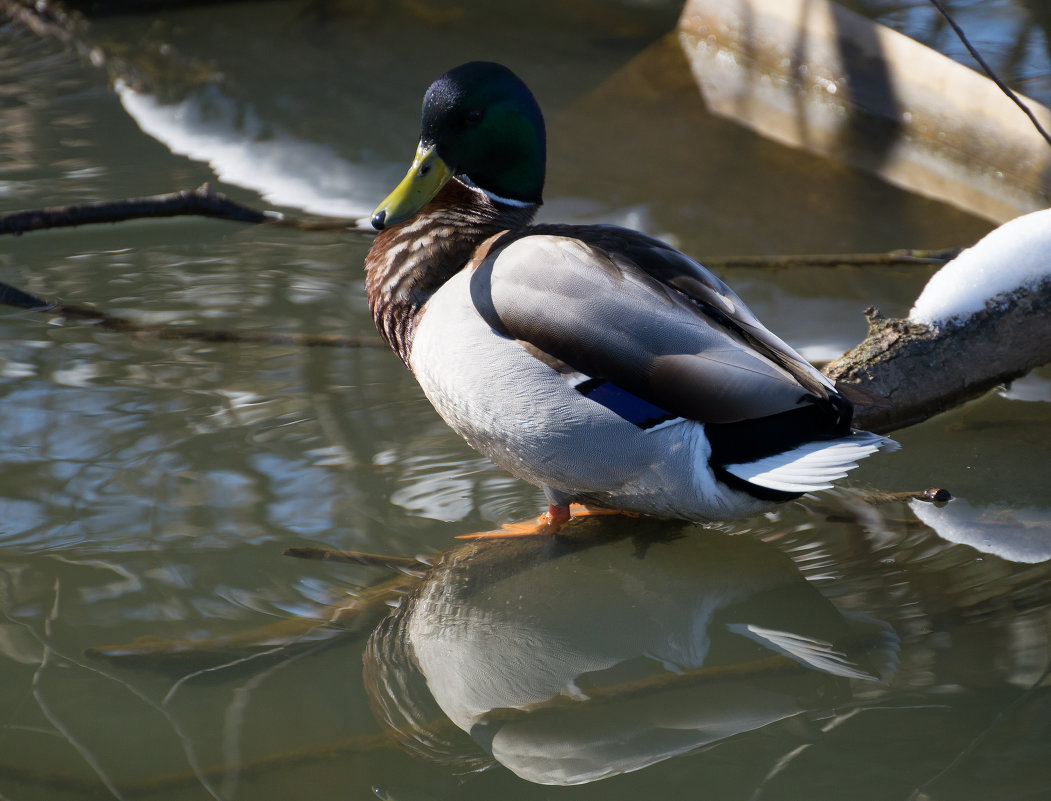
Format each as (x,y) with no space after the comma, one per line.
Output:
(355,614)
(405,564)
(923,371)
(893,258)
(200,202)
(20,299)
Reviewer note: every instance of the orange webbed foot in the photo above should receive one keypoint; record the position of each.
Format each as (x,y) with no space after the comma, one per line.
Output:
(549,523)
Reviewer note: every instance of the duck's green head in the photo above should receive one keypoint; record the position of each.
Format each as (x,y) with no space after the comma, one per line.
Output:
(482,126)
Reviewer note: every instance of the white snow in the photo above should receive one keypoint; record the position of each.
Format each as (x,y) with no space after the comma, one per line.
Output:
(1014,256)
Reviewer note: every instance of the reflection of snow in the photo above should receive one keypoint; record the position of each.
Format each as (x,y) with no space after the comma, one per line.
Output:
(246,151)
(1033,387)
(1015,255)
(1021,534)
(820,351)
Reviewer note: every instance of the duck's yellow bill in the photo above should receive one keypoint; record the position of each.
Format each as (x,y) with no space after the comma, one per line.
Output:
(425,177)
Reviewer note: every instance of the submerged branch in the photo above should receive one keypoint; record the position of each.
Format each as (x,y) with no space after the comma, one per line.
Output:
(356,614)
(901,374)
(923,371)
(893,258)
(20,299)
(201,202)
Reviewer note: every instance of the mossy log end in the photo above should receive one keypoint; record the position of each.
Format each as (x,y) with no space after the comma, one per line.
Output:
(921,371)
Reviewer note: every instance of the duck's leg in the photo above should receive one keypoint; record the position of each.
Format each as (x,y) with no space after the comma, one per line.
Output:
(548,523)
(555,516)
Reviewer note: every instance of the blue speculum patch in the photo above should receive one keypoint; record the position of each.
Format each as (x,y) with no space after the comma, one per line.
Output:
(623,403)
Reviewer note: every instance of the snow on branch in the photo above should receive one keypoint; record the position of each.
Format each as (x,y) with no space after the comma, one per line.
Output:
(984,319)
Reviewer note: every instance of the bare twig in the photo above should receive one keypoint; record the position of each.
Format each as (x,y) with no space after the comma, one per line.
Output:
(893,258)
(989,70)
(921,792)
(356,614)
(201,202)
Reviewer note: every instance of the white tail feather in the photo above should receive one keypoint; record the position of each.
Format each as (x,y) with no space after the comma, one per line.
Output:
(813,466)
(825,656)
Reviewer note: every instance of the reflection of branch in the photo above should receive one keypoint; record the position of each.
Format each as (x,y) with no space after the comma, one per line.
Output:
(13,296)
(45,708)
(923,371)
(989,70)
(200,202)
(356,614)
(965,757)
(406,564)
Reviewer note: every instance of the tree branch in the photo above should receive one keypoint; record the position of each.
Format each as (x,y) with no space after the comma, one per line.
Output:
(893,258)
(922,371)
(200,202)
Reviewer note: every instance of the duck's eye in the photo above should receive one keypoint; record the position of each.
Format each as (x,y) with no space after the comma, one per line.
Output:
(473,117)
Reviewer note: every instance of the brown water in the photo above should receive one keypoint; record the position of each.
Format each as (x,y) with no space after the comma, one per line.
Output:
(148,487)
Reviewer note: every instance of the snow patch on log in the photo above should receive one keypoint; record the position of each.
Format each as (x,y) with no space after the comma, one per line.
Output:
(1013,258)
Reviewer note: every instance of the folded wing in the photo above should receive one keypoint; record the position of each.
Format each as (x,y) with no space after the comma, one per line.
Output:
(620,306)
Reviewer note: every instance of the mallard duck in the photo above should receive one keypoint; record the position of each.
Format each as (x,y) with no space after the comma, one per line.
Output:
(594,361)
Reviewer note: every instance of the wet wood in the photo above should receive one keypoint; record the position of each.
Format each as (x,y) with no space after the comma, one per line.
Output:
(922,371)
(201,202)
(403,563)
(905,257)
(813,75)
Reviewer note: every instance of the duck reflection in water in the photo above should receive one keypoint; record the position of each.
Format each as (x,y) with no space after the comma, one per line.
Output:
(574,659)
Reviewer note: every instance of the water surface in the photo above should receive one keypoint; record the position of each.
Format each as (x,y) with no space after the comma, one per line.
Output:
(148,487)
